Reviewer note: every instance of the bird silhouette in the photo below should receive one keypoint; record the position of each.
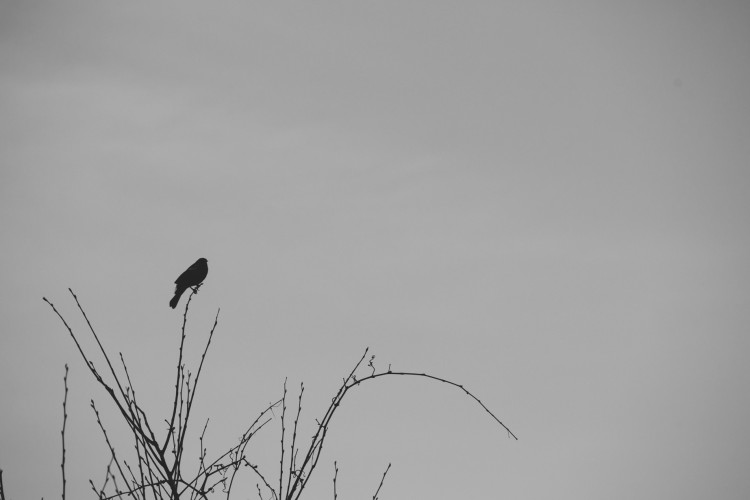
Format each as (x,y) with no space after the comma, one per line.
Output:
(192,277)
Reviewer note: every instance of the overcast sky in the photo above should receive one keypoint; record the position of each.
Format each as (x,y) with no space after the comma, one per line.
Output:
(545,201)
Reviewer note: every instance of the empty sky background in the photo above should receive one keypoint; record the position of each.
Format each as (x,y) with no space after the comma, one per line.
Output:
(545,201)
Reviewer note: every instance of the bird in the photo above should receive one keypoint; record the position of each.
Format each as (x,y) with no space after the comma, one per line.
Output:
(192,277)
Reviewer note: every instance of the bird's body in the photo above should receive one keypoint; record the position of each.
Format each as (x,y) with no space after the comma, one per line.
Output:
(193,276)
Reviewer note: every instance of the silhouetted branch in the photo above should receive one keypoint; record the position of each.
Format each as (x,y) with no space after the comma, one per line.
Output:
(375,496)
(143,457)
(202,455)
(292,449)
(283,430)
(426,375)
(191,393)
(180,374)
(335,475)
(62,433)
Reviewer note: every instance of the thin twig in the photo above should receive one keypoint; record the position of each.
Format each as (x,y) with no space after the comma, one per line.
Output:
(138,441)
(292,450)
(426,375)
(178,382)
(335,475)
(202,456)
(191,394)
(65,420)
(375,496)
(281,462)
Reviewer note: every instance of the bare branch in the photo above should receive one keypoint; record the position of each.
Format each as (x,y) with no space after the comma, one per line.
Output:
(180,373)
(65,420)
(425,375)
(283,429)
(292,450)
(191,394)
(335,475)
(375,496)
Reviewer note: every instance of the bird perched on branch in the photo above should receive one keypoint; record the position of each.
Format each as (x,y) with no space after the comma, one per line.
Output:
(192,277)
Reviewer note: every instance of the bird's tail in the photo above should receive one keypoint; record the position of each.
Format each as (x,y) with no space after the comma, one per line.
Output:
(177,294)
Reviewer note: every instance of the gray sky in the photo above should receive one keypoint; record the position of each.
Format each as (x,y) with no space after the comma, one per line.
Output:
(545,201)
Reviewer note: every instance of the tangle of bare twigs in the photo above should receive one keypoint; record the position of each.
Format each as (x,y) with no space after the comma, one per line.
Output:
(159,469)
